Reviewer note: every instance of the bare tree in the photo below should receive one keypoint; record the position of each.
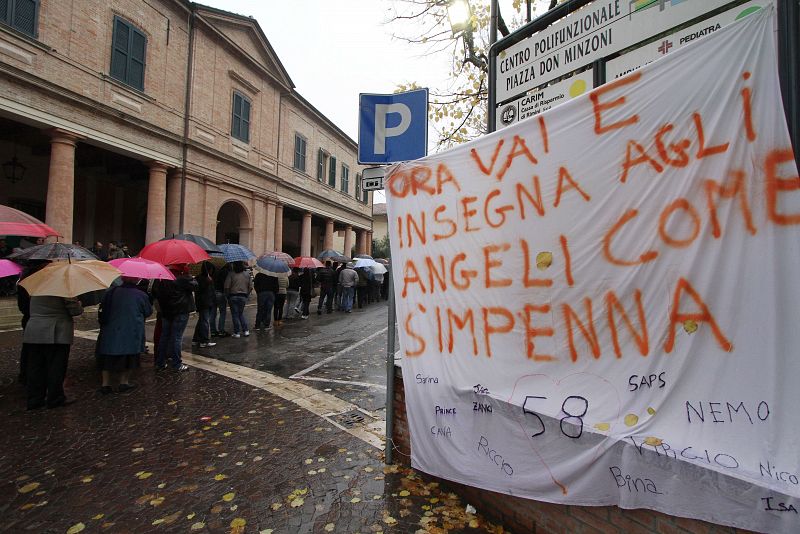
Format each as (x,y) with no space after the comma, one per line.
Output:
(458,110)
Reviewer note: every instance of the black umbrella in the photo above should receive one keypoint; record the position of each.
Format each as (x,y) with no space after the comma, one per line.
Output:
(202,242)
(332,255)
(52,251)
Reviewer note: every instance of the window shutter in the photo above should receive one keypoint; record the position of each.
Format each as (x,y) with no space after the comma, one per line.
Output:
(245,120)
(25,16)
(320,165)
(137,56)
(332,173)
(119,51)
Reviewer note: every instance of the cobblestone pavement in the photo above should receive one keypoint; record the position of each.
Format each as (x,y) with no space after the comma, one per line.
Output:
(198,452)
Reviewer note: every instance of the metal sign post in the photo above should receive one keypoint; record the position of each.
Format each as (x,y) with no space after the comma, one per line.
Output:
(390,349)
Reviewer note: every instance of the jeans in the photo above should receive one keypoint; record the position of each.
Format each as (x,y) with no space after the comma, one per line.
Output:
(171,340)
(277,309)
(347,298)
(265,301)
(325,297)
(237,313)
(220,305)
(292,301)
(202,332)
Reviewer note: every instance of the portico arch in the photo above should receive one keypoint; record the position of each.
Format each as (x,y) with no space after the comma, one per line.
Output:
(234,223)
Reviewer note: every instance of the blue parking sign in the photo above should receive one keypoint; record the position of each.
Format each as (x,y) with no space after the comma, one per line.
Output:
(392,128)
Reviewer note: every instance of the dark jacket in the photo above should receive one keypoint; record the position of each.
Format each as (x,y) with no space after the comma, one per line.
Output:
(220,276)
(204,295)
(264,282)
(175,297)
(363,277)
(326,277)
(306,283)
(122,315)
(294,282)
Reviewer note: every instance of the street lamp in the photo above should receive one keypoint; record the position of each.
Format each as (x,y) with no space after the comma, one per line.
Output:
(14,170)
(459,13)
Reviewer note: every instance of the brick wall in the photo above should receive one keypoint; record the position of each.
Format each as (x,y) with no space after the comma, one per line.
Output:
(524,515)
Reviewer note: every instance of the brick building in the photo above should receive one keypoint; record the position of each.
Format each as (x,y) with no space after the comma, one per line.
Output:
(131,120)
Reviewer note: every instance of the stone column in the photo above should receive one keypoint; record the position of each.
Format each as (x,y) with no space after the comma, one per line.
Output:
(269,237)
(328,242)
(369,243)
(348,240)
(259,224)
(156,203)
(278,227)
(61,183)
(173,218)
(361,239)
(305,235)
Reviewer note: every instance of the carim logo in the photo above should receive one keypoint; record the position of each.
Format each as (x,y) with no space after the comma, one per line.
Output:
(634,6)
(509,114)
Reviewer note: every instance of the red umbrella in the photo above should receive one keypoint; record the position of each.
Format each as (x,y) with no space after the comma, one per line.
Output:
(306,262)
(173,252)
(15,222)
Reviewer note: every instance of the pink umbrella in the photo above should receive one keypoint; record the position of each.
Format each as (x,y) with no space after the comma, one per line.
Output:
(15,222)
(305,262)
(142,268)
(9,268)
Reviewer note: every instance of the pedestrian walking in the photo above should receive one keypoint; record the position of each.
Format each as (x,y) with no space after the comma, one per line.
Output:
(306,290)
(49,334)
(327,287)
(266,288)
(238,286)
(293,295)
(121,341)
(348,278)
(204,301)
(338,295)
(220,303)
(176,303)
(280,299)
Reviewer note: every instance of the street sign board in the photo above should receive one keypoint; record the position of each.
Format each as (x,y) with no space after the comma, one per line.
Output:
(372,179)
(392,128)
(597,30)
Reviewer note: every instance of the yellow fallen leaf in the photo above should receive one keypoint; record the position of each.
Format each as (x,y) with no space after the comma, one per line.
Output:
(157,522)
(389,520)
(144,475)
(197,526)
(355,500)
(368,469)
(29,487)
(276,506)
(138,449)
(27,506)
(157,501)
(22,478)
(329,527)
(297,502)
(98,516)
(228,497)
(162,485)
(86,480)
(309,461)
(474,523)
(77,527)
(190,516)
(220,477)
(265,531)
(405,493)
(237,525)
(227,433)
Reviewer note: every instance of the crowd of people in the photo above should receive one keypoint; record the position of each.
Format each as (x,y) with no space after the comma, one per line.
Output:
(48,321)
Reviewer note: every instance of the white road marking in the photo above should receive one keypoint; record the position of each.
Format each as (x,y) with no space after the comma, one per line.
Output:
(343,351)
(348,382)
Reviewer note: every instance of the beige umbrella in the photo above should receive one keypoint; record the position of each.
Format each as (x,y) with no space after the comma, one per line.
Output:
(67,279)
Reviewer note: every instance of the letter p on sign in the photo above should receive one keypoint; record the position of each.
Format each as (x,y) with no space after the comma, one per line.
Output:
(393,128)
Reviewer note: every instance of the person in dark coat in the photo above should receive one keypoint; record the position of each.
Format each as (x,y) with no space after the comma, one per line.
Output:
(306,290)
(176,303)
(121,341)
(327,287)
(204,300)
(362,286)
(48,335)
(24,306)
(266,288)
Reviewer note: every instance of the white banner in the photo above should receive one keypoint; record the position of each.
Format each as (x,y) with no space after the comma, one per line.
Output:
(598,305)
(597,30)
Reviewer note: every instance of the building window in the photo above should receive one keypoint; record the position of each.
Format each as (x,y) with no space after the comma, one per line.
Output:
(322,164)
(358,186)
(127,53)
(299,153)
(240,118)
(21,15)
(345,178)
(365,197)
(332,172)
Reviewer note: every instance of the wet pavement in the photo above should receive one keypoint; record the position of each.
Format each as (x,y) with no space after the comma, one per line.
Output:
(201,452)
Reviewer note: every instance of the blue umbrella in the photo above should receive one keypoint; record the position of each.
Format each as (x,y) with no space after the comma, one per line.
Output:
(272,266)
(235,252)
